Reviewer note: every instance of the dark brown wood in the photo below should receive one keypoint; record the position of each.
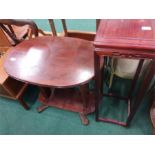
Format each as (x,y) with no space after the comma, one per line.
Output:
(81,35)
(70,99)
(11,33)
(18,22)
(84,89)
(64,27)
(46,92)
(132,39)
(97,84)
(56,62)
(126,33)
(53,29)
(20,33)
(34,61)
(97,23)
(22,102)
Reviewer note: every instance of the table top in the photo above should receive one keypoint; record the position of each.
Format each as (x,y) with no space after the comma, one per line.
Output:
(126,33)
(52,61)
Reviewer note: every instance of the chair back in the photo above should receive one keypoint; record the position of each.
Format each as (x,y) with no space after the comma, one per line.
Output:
(72,33)
(10,35)
(53,28)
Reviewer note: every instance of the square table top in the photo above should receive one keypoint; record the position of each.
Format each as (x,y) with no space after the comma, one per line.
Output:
(126,33)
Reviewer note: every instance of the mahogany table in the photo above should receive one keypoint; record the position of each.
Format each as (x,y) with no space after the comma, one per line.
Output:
(61,66)
(133,39)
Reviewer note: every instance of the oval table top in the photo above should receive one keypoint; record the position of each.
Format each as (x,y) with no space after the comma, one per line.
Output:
(52,61)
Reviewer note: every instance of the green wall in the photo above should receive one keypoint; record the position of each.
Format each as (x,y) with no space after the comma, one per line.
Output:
(72,24)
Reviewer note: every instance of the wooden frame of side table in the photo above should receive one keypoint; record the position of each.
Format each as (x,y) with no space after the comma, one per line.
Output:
(112,45)
(131,109)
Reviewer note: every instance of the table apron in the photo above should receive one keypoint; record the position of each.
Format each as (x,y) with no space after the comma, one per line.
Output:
(125,53)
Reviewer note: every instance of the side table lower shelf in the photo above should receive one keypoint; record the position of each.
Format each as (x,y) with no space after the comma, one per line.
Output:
(69,99)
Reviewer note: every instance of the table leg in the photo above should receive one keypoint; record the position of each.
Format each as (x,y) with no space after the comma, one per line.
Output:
(84,89)
(42,108)
(102,79)
(143,88)
(47,93)
(97,83)
(135,79)
(22,102)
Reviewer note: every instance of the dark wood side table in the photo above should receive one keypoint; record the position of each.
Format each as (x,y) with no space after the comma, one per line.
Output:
(133,39)
(57,65)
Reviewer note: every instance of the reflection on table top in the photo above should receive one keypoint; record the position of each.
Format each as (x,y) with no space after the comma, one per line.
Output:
(52,61)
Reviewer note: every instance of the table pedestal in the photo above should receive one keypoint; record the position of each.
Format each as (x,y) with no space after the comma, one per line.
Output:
(72,99)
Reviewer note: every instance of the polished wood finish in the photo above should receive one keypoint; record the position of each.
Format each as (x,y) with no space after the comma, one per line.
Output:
(69,99)
(128,34)
(56,62)
(44,60)
(125,39)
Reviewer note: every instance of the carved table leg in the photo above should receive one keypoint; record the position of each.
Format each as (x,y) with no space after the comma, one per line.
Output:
(84,89)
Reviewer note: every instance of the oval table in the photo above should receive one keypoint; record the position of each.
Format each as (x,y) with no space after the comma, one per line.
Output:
(61,67)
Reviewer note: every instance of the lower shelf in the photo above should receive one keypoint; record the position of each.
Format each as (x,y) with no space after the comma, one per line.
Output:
(69,99)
